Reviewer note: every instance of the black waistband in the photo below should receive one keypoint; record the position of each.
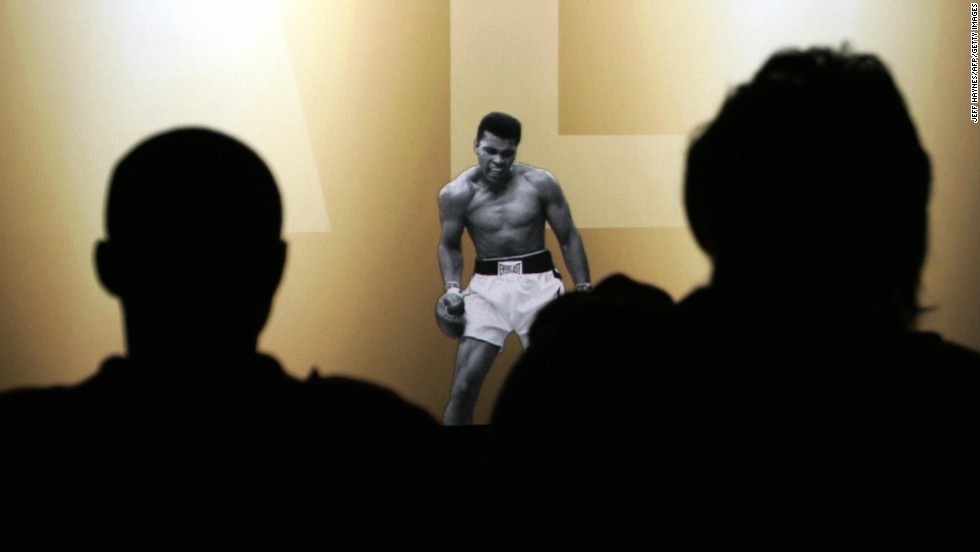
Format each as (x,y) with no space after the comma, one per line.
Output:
(534,263)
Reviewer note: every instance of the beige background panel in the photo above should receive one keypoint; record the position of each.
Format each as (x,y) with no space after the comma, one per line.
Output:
(638,67)
(663,66)
(113,72)
(504,58)
(631,181)
(374,81)
(55,322)
(941,79)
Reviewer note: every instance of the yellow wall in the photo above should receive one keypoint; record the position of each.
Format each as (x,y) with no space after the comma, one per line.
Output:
(378,106)
(360,299)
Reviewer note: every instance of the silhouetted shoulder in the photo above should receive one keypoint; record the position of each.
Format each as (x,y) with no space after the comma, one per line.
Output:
(957,366)
(32,425)
(930,343)
(369,450)
(14,400)
(27,409)
(358,402)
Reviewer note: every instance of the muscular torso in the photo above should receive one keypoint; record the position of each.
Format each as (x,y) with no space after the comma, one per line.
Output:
(508,222)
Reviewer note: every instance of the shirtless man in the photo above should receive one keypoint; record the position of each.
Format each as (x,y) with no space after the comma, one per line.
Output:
(504,207)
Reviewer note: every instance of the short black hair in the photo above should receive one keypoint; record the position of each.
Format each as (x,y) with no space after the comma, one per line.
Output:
(501,125)
(191,183)
(814,164)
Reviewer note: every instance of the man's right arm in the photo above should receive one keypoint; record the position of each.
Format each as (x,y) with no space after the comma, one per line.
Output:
(452,214)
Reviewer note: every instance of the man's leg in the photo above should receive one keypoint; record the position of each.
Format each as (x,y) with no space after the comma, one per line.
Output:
(473,361)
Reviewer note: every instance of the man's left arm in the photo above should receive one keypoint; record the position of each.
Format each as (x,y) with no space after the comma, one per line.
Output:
(559,216)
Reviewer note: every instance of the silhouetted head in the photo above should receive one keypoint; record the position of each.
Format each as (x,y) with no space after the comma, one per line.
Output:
(812,174)
(193,251)
(501,125)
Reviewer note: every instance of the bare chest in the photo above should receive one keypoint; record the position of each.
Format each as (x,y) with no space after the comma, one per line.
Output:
(519,207)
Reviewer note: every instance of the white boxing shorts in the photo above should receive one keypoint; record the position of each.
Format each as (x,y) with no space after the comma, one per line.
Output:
(505,295)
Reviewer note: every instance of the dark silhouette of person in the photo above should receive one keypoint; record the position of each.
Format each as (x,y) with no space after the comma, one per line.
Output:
(568,456)
(790,403)
(195,435)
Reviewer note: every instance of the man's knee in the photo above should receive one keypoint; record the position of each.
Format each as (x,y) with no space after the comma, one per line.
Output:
(474,361)
(472,370)
(476,352)
(465,387)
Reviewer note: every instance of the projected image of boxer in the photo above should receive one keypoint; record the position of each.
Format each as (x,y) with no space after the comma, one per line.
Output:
(504,206)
